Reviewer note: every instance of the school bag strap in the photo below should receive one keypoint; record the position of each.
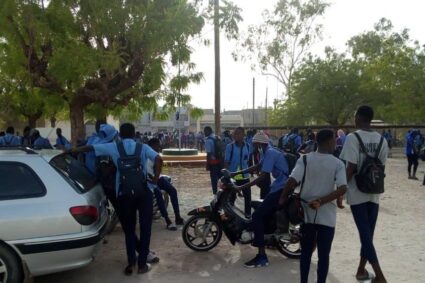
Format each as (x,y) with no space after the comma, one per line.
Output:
(363,147)
(305,171)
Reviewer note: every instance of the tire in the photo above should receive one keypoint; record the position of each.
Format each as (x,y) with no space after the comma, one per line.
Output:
(191,237)
(10,267)
(290,250)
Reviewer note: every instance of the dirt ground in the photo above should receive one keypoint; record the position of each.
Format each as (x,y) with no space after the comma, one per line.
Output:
(399,241)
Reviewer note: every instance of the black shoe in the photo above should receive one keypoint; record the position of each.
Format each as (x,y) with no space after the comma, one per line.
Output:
(144,269)
(257,261)
(179,221)
(129,269)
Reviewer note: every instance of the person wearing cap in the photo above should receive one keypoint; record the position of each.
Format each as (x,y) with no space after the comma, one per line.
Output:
(274,162)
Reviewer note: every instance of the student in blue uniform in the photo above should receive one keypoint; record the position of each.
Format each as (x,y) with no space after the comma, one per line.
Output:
(213,163)
(274,162)
(236,159)
(10,139)
(130,206)
(39,141)
(61,141)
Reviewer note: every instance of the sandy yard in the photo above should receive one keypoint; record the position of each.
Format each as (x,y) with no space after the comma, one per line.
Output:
(399,241)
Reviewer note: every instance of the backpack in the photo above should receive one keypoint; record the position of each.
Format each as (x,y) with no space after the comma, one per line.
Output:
(132,179)
(219,148)
(370,177)
(289,144)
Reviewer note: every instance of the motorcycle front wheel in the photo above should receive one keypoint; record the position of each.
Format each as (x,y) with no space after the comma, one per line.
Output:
(201,234)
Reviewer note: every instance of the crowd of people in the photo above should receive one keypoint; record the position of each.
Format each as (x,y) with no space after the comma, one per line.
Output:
(327,168)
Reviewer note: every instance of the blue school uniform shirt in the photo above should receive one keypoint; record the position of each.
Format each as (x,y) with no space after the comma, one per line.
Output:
(409,144)
(42,143)
(10,140)
(237,163)
(274,162)
(129,146)
(63,141)
(209,145)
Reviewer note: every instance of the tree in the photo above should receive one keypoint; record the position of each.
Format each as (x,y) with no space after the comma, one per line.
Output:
(281,42)
(396,66)
(104,52)
(325,91)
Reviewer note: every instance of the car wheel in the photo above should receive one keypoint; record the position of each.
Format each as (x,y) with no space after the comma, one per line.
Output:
(10,267)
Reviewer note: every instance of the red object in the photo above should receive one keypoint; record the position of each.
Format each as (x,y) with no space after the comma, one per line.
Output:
(85,215)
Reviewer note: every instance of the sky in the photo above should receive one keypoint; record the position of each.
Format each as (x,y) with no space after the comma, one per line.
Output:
(342,20)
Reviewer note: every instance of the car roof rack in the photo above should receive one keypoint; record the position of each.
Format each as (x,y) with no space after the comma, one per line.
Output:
(26,149)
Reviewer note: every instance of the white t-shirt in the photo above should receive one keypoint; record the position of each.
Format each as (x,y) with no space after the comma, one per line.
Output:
(324,171)
(351,153)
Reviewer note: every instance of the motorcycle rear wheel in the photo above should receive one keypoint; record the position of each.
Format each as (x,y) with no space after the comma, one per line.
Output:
(288,249)
(201,234)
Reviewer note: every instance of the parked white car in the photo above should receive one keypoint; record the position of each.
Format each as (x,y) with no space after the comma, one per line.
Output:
(52,213)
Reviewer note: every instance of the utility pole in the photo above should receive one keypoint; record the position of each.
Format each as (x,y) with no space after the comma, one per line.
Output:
(266,108)
(217,114)
(253,102)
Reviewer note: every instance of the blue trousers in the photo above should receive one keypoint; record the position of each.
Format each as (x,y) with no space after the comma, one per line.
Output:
(129,207)
(365,216)
(215,175)
(323,235)
(164,185)
(265,211)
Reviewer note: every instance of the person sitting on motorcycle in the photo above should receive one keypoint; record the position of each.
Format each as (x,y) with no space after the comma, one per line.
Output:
(274,162)
(165,185)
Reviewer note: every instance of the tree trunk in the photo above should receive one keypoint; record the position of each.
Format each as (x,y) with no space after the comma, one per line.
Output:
(217,114)
(53,122)
(76,113)
(32,122)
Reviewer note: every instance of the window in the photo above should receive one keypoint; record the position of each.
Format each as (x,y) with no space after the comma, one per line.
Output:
(74,172)
(17,180)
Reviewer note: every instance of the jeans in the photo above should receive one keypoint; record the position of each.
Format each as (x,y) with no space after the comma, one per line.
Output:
(129,207)
(164,185)
(365,216)
(264,212)
(246,194)
(215,175)
(323,236)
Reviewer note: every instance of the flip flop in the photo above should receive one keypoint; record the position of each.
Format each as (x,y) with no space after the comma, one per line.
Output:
(365,277)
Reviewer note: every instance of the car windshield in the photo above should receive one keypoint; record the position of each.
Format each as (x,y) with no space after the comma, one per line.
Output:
(74,172)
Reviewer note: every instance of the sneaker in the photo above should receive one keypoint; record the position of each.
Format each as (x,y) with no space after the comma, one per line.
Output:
(144,269)
(152,258)
(179,221)
(172,227)
(258,261)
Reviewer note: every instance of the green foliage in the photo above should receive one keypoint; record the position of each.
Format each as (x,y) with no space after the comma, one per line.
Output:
(385,70)
(280,43)
(96,54)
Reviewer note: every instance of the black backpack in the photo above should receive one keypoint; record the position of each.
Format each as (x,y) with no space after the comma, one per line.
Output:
(132,179)
(370,177)
(219,149)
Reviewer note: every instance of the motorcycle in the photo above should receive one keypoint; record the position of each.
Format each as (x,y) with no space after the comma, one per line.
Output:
(204,230)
